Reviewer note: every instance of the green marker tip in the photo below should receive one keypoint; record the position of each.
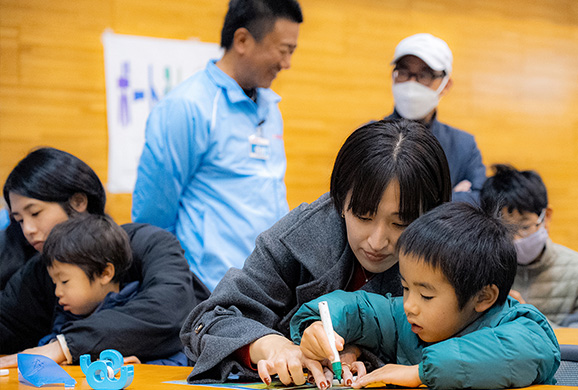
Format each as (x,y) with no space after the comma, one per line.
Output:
(337,370)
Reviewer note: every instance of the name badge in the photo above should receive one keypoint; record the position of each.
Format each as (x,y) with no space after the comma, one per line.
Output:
(260,148)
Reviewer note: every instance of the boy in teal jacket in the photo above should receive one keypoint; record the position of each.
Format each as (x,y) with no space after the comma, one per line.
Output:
(457,265)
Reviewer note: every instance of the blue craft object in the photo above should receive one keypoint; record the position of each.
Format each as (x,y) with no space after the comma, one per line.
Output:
(111,355)
(39,370)
(101,373)
(97,377)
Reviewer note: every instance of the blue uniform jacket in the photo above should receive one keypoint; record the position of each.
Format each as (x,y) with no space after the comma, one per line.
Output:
(511,345)
(196,177)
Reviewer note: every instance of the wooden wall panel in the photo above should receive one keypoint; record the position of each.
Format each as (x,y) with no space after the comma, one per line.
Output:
(515,80)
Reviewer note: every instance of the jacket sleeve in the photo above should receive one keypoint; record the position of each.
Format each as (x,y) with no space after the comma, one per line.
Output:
(361,318)
(518,352)
(246,305)
(172,153)
(26,307)
(475,172)
(148,325)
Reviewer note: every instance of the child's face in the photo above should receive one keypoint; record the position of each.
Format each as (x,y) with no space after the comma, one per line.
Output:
(527,223)
(430,302)
(75,292)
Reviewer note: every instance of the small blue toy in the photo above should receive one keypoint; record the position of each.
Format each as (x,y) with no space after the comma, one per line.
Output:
(39,370)
(101,373)
(111,356)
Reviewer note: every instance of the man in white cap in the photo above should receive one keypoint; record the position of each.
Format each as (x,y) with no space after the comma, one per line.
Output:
(421,76)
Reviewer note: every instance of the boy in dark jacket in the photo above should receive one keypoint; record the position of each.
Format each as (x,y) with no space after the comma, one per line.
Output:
(86,258)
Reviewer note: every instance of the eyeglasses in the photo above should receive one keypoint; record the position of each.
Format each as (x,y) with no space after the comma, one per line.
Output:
(425,77)
(526,230)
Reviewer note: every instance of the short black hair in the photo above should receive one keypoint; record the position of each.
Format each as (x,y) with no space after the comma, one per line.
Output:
(52,175)
(523,191)
(257,16)
(386,150)
(472,248)
(89,241)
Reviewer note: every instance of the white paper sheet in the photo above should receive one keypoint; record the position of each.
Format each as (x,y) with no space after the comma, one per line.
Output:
(140,71)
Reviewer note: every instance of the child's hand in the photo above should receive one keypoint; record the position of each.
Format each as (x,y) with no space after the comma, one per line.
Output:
(315,345)
(9,361)
(52,351)
(132,360)
(391,374)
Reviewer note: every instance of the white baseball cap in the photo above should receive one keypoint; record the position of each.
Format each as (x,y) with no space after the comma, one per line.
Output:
(434,51)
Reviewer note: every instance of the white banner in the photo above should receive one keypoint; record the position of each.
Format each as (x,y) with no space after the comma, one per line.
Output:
(139,71)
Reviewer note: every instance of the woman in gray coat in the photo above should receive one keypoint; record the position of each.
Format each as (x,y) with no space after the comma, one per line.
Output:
(386,174)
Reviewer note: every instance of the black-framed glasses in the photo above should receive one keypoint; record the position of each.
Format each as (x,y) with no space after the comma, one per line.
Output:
(425,77)
(527,229)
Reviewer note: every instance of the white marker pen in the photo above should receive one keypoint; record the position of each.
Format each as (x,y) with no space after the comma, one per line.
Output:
(328,327)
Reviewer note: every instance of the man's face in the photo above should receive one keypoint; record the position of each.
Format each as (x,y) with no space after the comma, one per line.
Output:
(265,59)
(418,70)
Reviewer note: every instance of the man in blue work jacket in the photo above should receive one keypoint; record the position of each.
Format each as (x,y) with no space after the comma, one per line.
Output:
(213,165)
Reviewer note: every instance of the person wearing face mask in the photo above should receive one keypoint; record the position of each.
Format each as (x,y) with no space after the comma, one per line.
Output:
(547,272)
(421,77)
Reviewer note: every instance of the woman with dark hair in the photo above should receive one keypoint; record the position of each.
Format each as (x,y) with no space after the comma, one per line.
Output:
(52,175)
(46,177)
(386,174)
(47,187)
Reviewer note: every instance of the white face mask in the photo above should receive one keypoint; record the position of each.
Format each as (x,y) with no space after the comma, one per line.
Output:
(529,248)
(414,100)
